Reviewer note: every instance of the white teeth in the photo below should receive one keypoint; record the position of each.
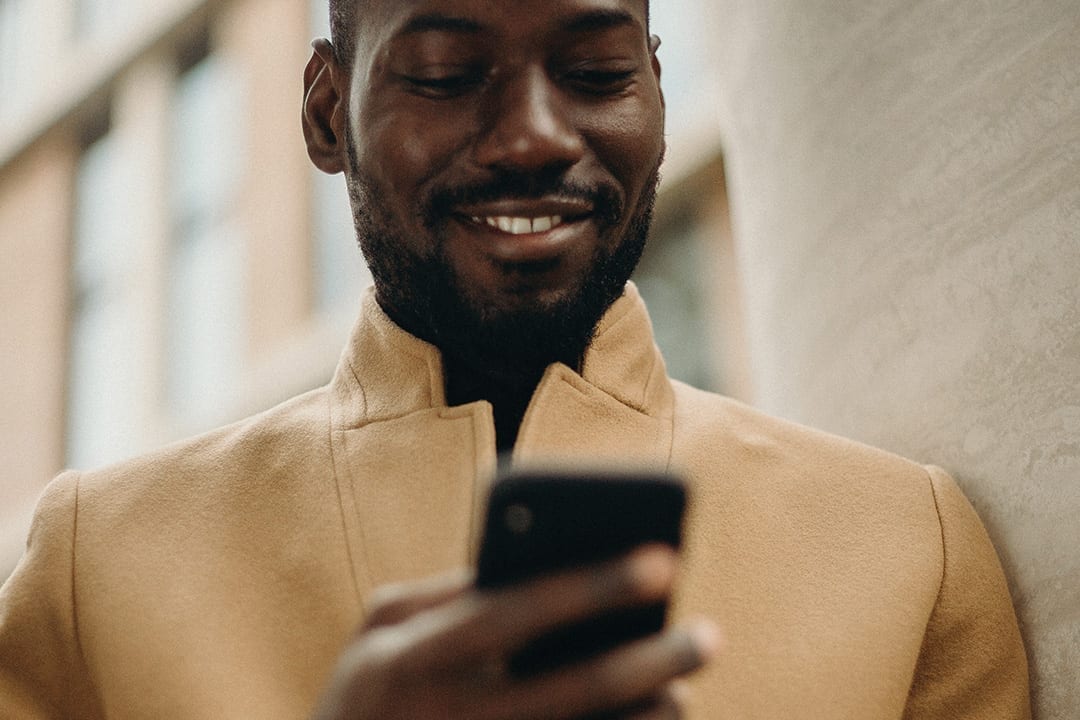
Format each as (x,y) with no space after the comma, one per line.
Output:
(521,225)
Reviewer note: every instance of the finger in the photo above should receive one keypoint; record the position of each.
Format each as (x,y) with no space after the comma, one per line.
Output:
(668,706)
(494,623)
(628,676)
(395,603)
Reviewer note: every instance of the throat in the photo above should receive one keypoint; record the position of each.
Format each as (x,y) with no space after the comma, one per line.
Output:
(509,393)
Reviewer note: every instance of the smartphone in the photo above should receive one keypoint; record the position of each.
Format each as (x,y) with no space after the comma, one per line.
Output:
(539,522)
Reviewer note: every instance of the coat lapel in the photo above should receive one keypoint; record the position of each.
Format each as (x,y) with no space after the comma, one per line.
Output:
(413,474)
(573,421)
(618,410)
(415,487)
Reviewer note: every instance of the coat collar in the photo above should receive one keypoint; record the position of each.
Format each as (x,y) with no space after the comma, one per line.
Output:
(413,474)
(385,373)
(618,410)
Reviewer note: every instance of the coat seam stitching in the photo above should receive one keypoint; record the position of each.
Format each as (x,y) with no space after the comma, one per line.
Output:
(941,528)
(941,583)
(334,464)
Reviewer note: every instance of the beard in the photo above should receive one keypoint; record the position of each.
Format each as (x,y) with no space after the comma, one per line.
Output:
(424,295)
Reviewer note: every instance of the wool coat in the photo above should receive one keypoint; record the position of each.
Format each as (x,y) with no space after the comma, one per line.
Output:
(221,577)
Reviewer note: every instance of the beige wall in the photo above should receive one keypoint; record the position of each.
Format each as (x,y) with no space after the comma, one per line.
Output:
(906,192)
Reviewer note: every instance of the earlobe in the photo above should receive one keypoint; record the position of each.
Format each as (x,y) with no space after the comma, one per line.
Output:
(323,112)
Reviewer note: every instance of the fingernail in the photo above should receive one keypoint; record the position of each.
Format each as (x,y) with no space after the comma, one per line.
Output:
(653,570)
(680,692)
(707,639)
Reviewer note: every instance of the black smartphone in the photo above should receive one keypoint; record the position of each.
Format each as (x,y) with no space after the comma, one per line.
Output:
(539,522)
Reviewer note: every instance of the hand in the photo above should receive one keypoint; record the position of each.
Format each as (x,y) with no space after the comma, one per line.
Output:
(437,649)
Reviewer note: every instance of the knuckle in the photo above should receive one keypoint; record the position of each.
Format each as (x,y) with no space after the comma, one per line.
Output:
(687,654)
(605,679)
(512,612)
(384,650)
(383,602)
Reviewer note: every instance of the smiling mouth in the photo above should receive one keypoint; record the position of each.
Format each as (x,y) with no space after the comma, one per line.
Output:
(519,225)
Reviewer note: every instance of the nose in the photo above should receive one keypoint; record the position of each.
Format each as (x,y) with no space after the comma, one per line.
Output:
(527,126)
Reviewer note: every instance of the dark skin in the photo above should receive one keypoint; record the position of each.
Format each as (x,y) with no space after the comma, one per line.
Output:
(432,650)
(446,96)
(506,151)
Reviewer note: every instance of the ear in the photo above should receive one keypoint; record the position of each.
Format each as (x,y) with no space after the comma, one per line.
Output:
(323,116)
(654,45)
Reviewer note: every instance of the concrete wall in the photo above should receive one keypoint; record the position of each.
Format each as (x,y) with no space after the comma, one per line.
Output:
(905,186)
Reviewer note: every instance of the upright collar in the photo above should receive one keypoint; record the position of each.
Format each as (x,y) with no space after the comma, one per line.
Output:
(386,373)
(413,473)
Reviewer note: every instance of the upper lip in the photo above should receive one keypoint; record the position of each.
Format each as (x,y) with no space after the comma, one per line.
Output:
(568,208)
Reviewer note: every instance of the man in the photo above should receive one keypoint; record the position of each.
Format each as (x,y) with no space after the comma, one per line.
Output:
(501,159)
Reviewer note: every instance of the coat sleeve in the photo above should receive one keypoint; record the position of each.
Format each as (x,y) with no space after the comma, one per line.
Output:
(972,663)
(42,671)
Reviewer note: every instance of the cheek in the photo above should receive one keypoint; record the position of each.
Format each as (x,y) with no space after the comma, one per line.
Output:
(402,152)
(628,140)
(393,154)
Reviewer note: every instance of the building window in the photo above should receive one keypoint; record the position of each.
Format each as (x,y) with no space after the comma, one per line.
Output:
(672,278)
(103,400)
(206,317)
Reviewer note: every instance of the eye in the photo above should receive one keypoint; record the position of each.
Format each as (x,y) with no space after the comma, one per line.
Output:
(598,80)
(443,85)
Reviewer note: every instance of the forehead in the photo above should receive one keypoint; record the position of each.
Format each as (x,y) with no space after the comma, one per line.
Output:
(381,21)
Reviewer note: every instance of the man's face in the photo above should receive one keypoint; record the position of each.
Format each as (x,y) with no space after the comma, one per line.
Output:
(503,158)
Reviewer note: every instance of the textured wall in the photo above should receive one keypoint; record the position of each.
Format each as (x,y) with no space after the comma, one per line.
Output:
(905,186)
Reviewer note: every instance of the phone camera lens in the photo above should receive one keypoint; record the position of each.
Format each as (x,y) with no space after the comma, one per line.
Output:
(519,519)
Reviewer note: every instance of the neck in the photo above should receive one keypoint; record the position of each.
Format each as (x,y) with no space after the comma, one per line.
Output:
(474,373)
(509,392)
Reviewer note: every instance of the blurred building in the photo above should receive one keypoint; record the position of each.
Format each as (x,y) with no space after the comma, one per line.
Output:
(171,260)
(904,185)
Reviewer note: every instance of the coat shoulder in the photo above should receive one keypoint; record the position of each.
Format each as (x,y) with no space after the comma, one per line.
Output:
(270,451)
(705,420)
(884,553)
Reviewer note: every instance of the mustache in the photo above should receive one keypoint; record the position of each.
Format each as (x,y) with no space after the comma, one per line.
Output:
(605,198)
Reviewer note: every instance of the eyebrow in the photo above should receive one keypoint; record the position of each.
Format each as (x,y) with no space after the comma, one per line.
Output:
(596,20)
(438,22)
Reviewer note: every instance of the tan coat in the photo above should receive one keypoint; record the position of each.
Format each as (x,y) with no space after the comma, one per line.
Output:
(220,577)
